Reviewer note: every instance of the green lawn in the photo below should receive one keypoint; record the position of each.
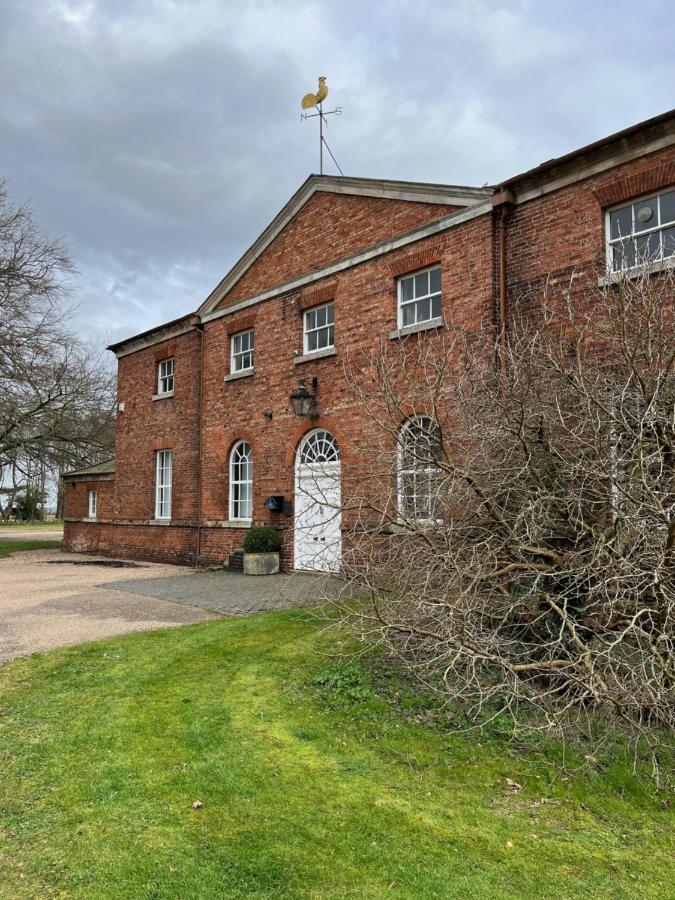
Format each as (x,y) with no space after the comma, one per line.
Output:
(9,547)
(56,524)
(308,791)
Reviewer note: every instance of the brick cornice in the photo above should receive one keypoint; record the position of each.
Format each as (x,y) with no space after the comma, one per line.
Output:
(631,186)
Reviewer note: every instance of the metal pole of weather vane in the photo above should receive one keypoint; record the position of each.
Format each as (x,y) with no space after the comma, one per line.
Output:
(315,101)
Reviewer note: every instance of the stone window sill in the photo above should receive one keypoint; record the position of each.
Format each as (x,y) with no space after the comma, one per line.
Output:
(415,329)
(235,376)
(316,354)
(162,396)
(159,522)
(227,523)
(663,265)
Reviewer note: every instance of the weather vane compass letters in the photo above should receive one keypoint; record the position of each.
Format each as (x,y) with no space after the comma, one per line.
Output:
(315,101)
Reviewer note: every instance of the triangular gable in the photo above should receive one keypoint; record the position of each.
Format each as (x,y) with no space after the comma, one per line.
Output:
(413,204)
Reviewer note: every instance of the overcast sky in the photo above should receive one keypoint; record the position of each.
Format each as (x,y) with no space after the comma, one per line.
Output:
(159,137)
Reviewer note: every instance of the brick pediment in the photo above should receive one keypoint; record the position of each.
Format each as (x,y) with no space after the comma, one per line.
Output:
(330,227)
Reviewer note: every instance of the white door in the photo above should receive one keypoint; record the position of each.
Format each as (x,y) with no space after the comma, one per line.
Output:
(318,539)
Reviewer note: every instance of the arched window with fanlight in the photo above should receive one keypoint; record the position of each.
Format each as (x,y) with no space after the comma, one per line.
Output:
(241,482)
(419,474)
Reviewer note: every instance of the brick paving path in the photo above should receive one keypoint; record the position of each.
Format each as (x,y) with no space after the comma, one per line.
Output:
(234,594)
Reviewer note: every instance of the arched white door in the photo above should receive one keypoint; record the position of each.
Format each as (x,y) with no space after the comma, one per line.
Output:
(318,541)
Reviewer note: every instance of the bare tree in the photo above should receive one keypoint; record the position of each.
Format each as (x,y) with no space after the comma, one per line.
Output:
(513,524)
(56,395)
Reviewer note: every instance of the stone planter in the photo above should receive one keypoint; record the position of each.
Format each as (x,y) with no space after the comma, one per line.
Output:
(261,563)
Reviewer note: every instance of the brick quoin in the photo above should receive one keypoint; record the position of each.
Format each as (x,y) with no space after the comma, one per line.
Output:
(555,237)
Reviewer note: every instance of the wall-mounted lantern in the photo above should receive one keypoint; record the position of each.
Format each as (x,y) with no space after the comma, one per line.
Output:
(304,401)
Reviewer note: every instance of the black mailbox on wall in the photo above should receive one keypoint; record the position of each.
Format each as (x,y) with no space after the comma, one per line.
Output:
(275,504)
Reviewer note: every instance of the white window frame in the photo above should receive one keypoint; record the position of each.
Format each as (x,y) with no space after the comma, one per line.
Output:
(238,355)
(163,483)
(92,504)
(329,327)
(401,472)
(166,376)
(236,483)
(659,228)
(401,303)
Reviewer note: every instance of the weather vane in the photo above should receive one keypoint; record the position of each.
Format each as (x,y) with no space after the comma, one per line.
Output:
(311,101)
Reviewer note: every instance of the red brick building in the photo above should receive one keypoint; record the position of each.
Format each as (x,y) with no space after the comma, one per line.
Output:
(208,441)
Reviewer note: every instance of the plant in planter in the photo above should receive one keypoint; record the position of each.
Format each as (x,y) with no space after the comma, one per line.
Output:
(261,551)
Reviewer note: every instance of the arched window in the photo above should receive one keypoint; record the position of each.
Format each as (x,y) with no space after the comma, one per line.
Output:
(419,475)
(241,481)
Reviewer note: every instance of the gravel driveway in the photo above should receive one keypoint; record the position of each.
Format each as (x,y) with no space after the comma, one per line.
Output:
(50,599)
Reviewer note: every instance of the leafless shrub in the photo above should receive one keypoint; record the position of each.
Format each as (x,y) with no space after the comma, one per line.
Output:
(512,516)
(56,395)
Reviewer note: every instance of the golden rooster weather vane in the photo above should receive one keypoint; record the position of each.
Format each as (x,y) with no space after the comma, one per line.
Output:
(309,101)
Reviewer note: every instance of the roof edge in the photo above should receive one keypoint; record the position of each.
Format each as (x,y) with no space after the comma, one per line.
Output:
(107,467)
(173,329)
(587,150)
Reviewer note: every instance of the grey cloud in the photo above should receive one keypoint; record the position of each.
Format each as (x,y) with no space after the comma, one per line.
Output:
(160,137)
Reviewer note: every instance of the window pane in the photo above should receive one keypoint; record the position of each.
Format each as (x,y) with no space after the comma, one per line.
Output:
(648,247)
(668,242)
(423,310)
(321,317)
(408,493)
(310,320)
(620,222)
(321,338)
(421,284)
(435,280)
(436,307)
(624,255)
(408,314)
(330,313)
(311,340)
(668,207)
(407,289)
(646,215)
(331,335)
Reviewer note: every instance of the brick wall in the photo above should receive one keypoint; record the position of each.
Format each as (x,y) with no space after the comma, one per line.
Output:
(77,498)
(562,234)
(148,425)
